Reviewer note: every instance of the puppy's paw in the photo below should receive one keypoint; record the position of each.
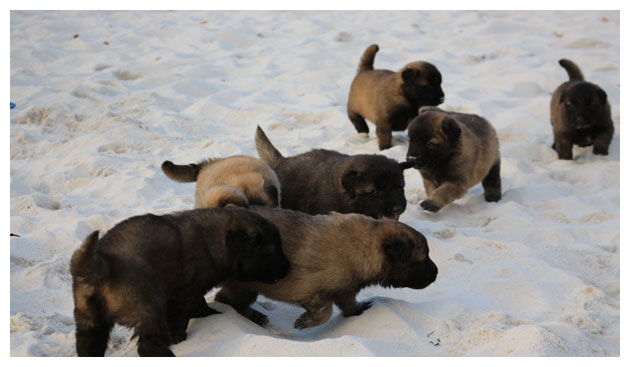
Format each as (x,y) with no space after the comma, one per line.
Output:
(258,317)
(430,206)
(600,150)
(203,310)
(303,322)
(493,197)
(361,306)
(178,336)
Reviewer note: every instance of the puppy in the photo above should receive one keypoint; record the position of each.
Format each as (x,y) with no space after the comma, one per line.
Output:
(454,151)
(148,272)
(239,180)
(391,99)
(322,181)
(332,258)
(580,115)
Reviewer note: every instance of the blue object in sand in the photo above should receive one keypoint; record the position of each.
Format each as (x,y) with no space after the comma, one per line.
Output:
(12,105)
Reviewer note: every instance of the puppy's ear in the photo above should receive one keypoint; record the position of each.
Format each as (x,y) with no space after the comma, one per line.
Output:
(238,241)
(349,182)
(272,192)
(406,164)
(602,95)
(398,251)
(409,76)
(451,129)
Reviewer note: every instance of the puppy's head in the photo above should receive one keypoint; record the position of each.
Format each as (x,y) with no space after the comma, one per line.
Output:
(375,186)
(254,248)
(407,261)
(422,84)
(433,138)
(584,104)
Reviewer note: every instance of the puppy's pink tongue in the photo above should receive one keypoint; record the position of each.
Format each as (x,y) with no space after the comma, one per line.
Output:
(390,218)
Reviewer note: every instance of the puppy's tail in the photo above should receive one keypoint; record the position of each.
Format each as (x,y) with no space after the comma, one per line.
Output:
(182,173)
(572,69)
(86,266)
(266,150)
(367,60)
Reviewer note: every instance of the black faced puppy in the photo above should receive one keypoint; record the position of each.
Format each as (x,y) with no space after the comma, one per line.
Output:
(322,181)
(391,99)
(149,272)
(454,151)
(580,115)
(332,258)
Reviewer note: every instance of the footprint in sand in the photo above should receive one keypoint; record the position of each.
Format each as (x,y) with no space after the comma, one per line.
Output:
(126,75)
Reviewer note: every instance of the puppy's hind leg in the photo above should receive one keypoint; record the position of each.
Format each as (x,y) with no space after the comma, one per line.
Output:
(92,335)
(359,122)
(92,324)
(492,183)
(153,333)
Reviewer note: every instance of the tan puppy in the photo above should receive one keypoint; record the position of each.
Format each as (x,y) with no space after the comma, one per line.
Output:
(332,258)
(391,99)
(454,151)
(239,180)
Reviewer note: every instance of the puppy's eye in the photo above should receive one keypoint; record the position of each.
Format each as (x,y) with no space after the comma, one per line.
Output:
(375,192)
(429,144)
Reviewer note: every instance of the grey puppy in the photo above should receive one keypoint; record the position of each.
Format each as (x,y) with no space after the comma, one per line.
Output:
(322,181)
(580,115)
(148,273)
(332,258)
(391,99)
(454,151)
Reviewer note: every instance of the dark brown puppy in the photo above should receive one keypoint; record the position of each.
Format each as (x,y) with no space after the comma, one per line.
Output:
(322,181)
(332,258)
(391,99)
(454,151)
(149,272)
(580,115)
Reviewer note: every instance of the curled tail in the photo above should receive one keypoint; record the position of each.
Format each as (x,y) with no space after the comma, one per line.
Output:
(367,60)
(572,69)
(266,150)
(182,173)
(85,263)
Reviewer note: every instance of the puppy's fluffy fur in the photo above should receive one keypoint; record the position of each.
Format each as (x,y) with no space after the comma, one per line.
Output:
(391,99)
(149,271)
(454,151)
(321,181)
(332,258)
(580,115)
(238,180)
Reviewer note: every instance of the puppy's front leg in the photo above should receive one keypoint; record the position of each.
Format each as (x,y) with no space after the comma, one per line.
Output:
(316,313)
(349,305)
(240,298)
(564,147)
(602,141)
(444,194)
(384,135)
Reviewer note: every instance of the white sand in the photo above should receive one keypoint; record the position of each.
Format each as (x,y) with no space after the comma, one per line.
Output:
(536,274)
